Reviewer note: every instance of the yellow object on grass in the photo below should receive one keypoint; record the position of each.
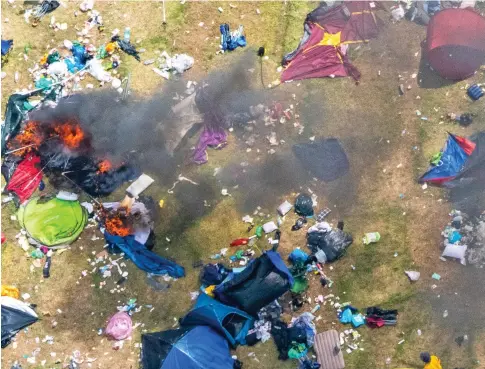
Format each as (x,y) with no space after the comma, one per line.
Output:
(434,363)
(161,203)
(10,291)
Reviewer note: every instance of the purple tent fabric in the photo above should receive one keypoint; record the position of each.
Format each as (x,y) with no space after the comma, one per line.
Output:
(210,137)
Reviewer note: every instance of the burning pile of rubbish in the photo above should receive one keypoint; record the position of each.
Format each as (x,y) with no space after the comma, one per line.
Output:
(66,157)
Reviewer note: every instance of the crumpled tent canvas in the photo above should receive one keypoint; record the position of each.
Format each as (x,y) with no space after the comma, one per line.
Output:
(16,315)
(195,347)
(322,52)
(233,323)
(142,257)
(453,160)
(52,221)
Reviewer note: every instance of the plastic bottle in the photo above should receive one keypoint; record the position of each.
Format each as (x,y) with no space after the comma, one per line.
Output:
(315,309)
(127,34)
(47,265)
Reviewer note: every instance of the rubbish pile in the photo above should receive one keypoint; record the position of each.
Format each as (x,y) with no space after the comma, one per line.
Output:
(464,239)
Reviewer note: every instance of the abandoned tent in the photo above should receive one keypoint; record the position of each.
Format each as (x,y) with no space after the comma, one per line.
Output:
(455,43)
(328,31)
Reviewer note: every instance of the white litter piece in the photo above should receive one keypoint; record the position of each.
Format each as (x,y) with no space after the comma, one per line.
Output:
(66,195)
(162,73)
(284,208)
(412,275)
(140,185)
(247,219)
(86,5)
(270,227)
(224,192)
(455,251)
(116,83)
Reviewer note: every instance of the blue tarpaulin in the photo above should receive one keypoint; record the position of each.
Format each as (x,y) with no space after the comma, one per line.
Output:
(455,155)
(233,323)
(6,46)
(142,257)
(196,347)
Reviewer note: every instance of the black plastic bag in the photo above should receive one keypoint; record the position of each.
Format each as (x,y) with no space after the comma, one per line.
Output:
(304,205)
(333,243)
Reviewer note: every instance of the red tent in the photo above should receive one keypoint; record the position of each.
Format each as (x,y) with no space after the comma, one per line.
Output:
(455,43)
(322,53)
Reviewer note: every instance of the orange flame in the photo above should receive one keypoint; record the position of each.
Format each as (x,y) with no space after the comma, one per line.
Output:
(71,134)
(104,166)
(117,224)
(31,135)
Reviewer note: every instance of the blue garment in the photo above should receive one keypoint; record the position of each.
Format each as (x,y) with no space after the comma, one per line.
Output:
(358,320)
(231,41)
(6,46)
(454,237)
(346,316)
(229,321)
(142,257)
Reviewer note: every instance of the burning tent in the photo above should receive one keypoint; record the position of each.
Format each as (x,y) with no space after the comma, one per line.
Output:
(52,221)
(67,158)
(327,32)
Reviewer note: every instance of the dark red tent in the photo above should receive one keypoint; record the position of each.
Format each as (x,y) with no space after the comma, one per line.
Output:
(322,50)
(455,43)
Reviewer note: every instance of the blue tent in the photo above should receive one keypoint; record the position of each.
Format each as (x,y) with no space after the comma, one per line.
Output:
(233,323)
(453,159)
(195,347)
(142,257)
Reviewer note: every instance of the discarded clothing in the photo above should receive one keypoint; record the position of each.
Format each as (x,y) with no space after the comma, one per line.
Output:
(297,351)
(78,59)
(377,317)
(214,274)
(284,337)
(127,47)
(142,257)
(351,315)
(305,322)
(210,137)
(304,205)
(333,243)
(231,40)
(119,326)
(25,178)
(271,311)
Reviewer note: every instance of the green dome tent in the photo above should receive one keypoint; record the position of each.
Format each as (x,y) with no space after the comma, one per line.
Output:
(53,221)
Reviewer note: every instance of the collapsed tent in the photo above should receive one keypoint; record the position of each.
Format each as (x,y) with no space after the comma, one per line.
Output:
(233,323)
(452,161)
(25,178)
(195,347)
(324,159)
(327,31)
(455,43)
(51,221)
(262,281)
(16,315)
(14,115)
(142,257)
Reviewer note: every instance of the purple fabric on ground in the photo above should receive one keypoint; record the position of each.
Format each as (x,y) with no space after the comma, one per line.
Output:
(210,137)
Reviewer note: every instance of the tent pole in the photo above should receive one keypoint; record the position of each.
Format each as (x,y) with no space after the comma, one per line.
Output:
(163,9)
